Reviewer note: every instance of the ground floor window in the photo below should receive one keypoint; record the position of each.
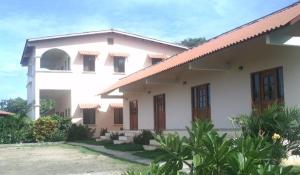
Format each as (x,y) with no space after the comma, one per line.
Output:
(118,115)
(267,88)
(201,102)
(89,116)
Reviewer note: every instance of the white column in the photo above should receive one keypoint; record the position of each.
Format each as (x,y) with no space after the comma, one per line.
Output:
(37,63)
(37,89)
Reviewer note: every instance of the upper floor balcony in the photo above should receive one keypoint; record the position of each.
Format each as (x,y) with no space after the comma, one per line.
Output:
(54,60)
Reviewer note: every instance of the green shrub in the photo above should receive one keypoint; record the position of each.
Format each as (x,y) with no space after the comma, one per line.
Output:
(103,131)
(15,129)
(114,136)
(276,120)
(51,128)
(143,138)
(80,132)
(206,152)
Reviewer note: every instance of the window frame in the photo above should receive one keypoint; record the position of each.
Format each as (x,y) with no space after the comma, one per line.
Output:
(118,116)
(195,101)
(87,60)
(117,64)
(156,60)
(257,98)
(89,120)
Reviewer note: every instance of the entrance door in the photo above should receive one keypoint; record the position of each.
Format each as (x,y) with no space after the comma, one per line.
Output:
(133,110)
(159,112)
(267,88)
(201,102)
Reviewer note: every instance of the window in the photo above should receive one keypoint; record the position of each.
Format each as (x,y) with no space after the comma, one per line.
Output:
(156,60)
(201,102)
(267,88)
(110,41)
(89,63)
(118,115)
(119,64)
(89,116)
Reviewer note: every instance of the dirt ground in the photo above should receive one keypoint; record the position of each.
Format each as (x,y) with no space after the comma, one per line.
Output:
(59,160)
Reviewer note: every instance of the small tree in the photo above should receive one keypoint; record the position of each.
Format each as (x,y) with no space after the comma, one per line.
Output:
(15,105)
(193,42)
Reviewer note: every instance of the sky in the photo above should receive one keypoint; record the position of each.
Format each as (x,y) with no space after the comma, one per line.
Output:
(169,20)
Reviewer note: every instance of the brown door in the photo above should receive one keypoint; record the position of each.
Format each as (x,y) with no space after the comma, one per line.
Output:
(159,112)
(267,88)
(201,102)
(133,110)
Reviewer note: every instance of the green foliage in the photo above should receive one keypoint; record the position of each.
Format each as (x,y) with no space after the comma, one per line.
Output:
(143,138)
(206,152)
(15,129)
(17,105)
(80,132)
(193,42)
(46,105)
(115,135)
(51,128)
(276,120)
(103,131)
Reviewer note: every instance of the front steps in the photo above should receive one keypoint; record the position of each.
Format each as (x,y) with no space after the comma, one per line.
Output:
(153,145)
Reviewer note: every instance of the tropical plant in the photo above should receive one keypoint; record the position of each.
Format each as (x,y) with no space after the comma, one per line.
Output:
(103,131)
(279,125)
(80,132)
(15,105)
(143,138)
(51,128)
(15,129)
(205,152)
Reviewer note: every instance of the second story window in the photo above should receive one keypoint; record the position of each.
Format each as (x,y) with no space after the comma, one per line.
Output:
(119,64)
(156,60)
(89,63)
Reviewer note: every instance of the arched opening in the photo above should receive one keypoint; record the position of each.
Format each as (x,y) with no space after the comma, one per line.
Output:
(55,59)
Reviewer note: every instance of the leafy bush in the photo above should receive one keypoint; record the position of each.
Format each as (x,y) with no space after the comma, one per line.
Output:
(103,131)
(114,136)
(51,128)
(80,132)
(206,152)
(143,138)
(279,121)
(15,129)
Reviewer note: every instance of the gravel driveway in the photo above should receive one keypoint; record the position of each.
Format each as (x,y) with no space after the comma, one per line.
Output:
(58,160)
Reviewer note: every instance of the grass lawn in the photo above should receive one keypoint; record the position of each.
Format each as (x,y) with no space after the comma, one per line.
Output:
(60,159)
(109,145)
(151,154)
(296,169)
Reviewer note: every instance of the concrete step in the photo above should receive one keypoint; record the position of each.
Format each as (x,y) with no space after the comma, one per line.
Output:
(104,138)
(131,133)
(150,147)
(154,143)
(126,138)
(116,142)
(107,134)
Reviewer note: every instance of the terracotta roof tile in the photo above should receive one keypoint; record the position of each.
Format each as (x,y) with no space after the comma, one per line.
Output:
(284,17)
(4,113)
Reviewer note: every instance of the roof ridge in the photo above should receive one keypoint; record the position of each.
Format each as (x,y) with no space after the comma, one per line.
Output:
(256,20)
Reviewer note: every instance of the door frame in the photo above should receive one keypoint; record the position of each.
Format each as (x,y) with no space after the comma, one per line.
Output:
(131,113)
(157,124)
(208,103)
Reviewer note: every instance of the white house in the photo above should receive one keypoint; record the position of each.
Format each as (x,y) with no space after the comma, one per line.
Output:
(253,65)
(72,68)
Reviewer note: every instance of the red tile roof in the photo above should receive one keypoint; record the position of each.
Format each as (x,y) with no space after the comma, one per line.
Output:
(88,106)
(281,18)
(4,113)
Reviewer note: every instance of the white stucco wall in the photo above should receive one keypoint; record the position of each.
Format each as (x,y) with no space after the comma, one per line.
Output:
(85,86)
(230,90)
